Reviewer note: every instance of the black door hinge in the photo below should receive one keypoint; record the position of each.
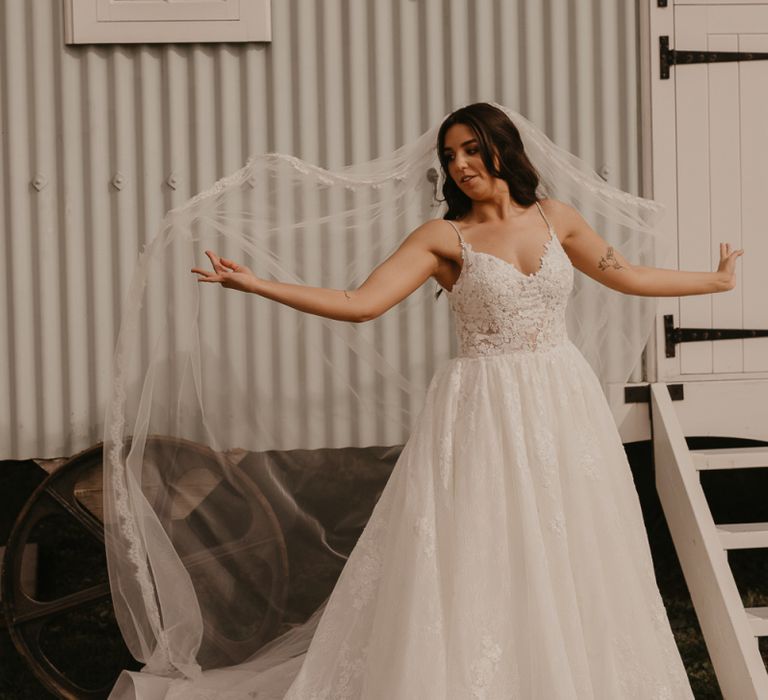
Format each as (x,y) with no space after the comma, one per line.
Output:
(671,57)
(673,336)
(642,393)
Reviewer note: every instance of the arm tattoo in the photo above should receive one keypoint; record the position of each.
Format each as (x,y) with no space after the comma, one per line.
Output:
(609,260)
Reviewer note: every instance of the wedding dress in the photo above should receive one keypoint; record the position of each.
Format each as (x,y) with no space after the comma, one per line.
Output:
(506,557)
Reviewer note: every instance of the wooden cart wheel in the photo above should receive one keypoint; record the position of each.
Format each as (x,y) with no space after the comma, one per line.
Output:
(63,518)
(59,525)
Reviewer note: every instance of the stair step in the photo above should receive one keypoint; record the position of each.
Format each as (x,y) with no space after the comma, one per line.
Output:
(758,620)
(731,458)
(743,535)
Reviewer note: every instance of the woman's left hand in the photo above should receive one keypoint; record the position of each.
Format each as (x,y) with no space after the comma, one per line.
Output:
(727,266)
(227,273)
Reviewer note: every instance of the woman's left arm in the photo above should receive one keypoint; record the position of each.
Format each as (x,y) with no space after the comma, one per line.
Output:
(594,257)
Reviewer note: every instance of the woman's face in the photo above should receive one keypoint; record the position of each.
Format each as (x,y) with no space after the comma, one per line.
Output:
(465,163)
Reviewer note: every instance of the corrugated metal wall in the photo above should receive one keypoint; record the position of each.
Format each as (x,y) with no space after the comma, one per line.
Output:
(98,141)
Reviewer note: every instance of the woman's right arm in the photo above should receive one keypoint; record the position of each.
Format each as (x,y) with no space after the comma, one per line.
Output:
(412,264)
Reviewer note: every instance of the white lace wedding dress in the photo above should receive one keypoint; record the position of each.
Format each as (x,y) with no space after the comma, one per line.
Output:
(507,556)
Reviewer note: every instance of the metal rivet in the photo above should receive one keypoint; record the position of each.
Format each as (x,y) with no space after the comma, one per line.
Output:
(605,171)
(172,181)
(39,182)
(118,181)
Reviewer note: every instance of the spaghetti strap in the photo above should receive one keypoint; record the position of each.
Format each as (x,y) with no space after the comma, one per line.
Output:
(546,220)
(463,247)
(458,232)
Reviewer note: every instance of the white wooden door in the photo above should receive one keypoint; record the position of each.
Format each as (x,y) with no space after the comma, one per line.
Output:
(710,167)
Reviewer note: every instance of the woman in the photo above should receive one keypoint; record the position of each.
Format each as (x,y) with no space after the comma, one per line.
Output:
(507,556)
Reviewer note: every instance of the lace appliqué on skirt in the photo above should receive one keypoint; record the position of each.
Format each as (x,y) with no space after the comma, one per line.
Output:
(484,668)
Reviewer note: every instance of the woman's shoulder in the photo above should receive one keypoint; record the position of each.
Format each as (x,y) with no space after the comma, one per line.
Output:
(435,230)
(433,234)
(562,215)
(556,207)
(438,236)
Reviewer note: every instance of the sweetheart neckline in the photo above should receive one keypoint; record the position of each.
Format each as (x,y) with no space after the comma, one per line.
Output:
(507,263)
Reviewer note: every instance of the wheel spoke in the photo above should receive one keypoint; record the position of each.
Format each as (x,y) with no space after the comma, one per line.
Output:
(30,609)
(226,549)
(70,504)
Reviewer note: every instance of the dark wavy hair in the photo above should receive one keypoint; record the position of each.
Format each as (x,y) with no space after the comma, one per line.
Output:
(496,134)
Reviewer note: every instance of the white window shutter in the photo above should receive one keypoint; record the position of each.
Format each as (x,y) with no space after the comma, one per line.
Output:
(165,21)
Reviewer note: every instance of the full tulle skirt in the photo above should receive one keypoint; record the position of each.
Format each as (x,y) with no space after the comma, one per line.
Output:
(506,558)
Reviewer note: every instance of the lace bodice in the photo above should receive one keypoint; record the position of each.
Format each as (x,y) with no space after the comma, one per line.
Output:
(499,309)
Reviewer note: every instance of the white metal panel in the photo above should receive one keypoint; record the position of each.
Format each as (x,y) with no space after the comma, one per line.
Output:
(115,135)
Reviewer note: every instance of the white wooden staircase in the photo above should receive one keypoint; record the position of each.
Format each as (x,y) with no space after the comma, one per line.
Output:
(730,630)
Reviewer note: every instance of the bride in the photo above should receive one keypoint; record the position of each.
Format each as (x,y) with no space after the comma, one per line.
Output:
(506,556)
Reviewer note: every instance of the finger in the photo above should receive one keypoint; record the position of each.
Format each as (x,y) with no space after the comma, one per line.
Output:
(236,267)
(217,266)
(208,277)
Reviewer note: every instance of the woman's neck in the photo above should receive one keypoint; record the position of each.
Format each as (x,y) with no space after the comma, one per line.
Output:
(496,210)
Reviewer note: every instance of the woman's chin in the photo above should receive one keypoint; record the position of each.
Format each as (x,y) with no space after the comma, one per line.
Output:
(472,190)
(478,195)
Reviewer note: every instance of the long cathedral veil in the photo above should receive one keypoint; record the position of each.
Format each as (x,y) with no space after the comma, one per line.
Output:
(246,442)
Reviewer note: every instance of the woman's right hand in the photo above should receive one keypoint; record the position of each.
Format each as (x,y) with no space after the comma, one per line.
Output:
(227,273)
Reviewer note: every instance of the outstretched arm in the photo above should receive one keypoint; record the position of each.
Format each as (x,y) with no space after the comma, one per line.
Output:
(392,281)
(594,257)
